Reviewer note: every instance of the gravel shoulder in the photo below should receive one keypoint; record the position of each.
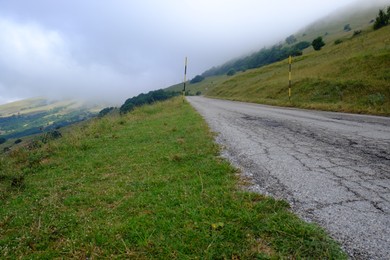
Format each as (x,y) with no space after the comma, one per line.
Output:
(333,168)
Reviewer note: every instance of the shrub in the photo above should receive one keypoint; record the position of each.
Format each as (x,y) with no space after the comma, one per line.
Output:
(357,32)
(347,27)
(318,43)
(127,107)
(51,135)
(382,19)
(198,78)
(338,41)
(231,72)
(2,140)
(301,45)
(105,111)
(142,99)
(376,99)
(291,39)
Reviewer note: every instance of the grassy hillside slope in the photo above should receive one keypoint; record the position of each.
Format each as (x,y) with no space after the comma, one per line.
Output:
(353,76)
(30,116)
(146,185)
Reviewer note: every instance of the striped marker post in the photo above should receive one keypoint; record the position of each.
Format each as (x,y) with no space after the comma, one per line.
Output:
(289,77)
(185,78)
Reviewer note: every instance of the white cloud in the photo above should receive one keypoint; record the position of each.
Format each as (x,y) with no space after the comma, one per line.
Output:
(116,49)
(39,62)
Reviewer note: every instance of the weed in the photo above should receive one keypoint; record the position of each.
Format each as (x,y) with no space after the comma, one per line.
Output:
(376,99)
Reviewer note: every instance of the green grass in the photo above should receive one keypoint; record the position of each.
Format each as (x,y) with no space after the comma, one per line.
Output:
(352,76)
(204,86)
(146,185)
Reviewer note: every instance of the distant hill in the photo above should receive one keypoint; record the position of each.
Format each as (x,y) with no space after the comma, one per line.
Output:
(350,73)
(31,116)
(343,23)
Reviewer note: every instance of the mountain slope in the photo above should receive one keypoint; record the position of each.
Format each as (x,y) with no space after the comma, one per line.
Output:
(352,76)
(350,73)
(31,116)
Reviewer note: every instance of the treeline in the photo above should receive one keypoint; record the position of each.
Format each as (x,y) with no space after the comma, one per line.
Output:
(142,99)
(383,19)
(258,59)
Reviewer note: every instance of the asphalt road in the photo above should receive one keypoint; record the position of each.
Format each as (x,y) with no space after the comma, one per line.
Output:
(333,168)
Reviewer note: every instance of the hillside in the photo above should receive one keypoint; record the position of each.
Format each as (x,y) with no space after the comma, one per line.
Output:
(352,76)
(31,116)
(145,185)
(350,73)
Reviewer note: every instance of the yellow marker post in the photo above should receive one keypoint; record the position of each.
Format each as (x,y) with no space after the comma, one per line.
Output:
(289,77)
(185,76)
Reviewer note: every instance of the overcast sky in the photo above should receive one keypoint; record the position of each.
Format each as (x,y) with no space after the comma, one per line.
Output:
(110,50)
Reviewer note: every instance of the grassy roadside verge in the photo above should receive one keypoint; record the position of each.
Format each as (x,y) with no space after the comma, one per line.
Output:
(145,185)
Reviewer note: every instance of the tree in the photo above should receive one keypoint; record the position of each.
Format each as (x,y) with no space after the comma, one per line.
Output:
(347,27)
(142,99)
(291,39)
(105,111)
(198,78)
(231,72)
(318,43)
(301,45)
(382,19)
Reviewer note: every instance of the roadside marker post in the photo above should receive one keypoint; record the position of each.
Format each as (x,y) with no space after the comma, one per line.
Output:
(185,78)
(289,77)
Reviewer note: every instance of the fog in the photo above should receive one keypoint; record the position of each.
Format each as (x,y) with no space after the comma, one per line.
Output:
(108,51)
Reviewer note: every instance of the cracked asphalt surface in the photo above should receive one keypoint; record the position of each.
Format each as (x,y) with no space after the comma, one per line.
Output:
(333,168)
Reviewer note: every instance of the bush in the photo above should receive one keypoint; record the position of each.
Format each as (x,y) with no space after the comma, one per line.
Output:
(357,32)
(198,93)
(142,99)
(301,45)
(105,111)
(347,27)
(382,19)
(198,78)
(231,72)
(2,140)
(376,99)
(51,135)
(18,141)
(291,39)
(338,41)
(318,43)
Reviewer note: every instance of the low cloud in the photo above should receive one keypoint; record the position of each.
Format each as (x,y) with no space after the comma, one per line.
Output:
(36,61)
(112,50)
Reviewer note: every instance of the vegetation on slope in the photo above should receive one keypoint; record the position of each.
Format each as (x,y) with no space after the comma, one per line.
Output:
(32,116)
(148,98)
(145,185)
(351,75)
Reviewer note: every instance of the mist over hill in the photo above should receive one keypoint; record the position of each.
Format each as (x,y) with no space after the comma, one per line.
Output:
(359,15)
(37,115)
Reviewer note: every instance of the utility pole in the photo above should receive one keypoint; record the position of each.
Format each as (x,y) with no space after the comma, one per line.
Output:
(289,77)
(185,76)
